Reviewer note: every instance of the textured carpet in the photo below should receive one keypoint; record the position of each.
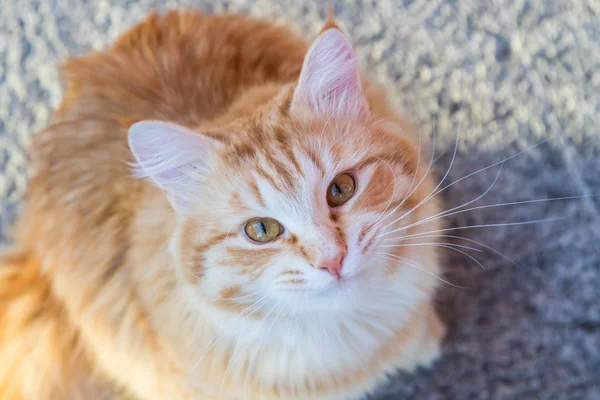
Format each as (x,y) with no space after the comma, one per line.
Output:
(514,72)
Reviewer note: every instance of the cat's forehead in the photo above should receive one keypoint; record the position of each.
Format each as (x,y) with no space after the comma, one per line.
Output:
(281,169)
(290,142)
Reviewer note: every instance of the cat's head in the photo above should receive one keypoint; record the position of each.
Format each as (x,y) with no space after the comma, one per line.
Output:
(287,207)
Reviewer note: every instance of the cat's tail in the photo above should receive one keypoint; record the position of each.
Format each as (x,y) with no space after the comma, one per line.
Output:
(35,340)
(24,304)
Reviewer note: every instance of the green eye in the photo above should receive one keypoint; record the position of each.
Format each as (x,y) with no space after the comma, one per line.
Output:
(263,230)
(340,190)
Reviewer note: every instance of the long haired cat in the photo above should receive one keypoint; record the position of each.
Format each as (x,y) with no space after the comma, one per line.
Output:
(206,221)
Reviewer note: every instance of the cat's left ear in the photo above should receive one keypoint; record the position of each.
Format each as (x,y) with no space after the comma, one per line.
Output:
(330,80)
(175,158)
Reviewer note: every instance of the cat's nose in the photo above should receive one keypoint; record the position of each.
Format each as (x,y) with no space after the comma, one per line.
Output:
(334,264)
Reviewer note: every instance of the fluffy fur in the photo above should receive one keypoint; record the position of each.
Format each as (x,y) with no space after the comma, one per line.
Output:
(141,281)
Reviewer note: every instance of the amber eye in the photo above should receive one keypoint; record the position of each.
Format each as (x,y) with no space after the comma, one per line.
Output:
(340,190)
(263,230)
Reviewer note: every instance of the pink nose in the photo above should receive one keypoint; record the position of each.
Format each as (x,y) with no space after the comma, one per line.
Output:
(334,264)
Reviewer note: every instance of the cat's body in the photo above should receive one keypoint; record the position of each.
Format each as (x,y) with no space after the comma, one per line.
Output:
(110,284)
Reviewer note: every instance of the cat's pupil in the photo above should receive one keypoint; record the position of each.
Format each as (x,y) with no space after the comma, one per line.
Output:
(336,190)
(262,230)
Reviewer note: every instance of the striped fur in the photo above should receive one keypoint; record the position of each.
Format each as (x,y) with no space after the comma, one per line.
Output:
(114,284)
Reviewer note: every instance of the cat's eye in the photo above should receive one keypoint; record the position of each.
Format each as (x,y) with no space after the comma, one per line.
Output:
(263,230)
(340,190)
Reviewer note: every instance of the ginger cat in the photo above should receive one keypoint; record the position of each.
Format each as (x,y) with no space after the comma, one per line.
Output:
(208,220)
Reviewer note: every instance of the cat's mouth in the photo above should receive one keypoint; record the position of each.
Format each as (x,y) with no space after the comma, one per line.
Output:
(348,280)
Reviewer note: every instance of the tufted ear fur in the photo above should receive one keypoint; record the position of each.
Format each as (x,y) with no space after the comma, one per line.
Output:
(173,157)
(330,81)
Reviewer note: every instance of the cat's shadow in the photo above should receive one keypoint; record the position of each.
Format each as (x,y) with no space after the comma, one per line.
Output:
(483,315)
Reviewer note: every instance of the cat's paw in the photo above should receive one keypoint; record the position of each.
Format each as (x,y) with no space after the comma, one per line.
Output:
(431,343)
(430,352)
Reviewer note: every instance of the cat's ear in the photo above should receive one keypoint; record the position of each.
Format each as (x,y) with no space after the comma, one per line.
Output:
(330,80)
(173,157)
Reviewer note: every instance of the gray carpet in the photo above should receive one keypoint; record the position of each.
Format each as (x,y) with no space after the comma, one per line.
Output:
(524,72)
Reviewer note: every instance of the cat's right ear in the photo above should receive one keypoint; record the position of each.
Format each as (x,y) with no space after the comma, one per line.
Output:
(329,83)
(173,157)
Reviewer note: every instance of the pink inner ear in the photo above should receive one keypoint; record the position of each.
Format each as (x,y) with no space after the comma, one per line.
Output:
(173,157)
(330,79)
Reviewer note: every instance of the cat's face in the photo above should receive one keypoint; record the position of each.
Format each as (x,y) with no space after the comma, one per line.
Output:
(287,207)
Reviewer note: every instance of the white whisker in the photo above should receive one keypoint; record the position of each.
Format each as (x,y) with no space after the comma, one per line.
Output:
(417,266)
(393,193)
(255,355)
(217,338)
(496,163)
(465,177)
(432,193)
(383,214)
(239,298)
(253,308)
(462,238)
(512,203)
(480,226)
(238,348)
(466,254)
(433,244)
(411,192)
(447,212)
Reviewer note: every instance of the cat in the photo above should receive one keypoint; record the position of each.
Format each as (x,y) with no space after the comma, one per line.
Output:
(206,220)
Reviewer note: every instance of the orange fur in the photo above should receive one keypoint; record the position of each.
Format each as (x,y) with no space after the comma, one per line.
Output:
(89,292)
